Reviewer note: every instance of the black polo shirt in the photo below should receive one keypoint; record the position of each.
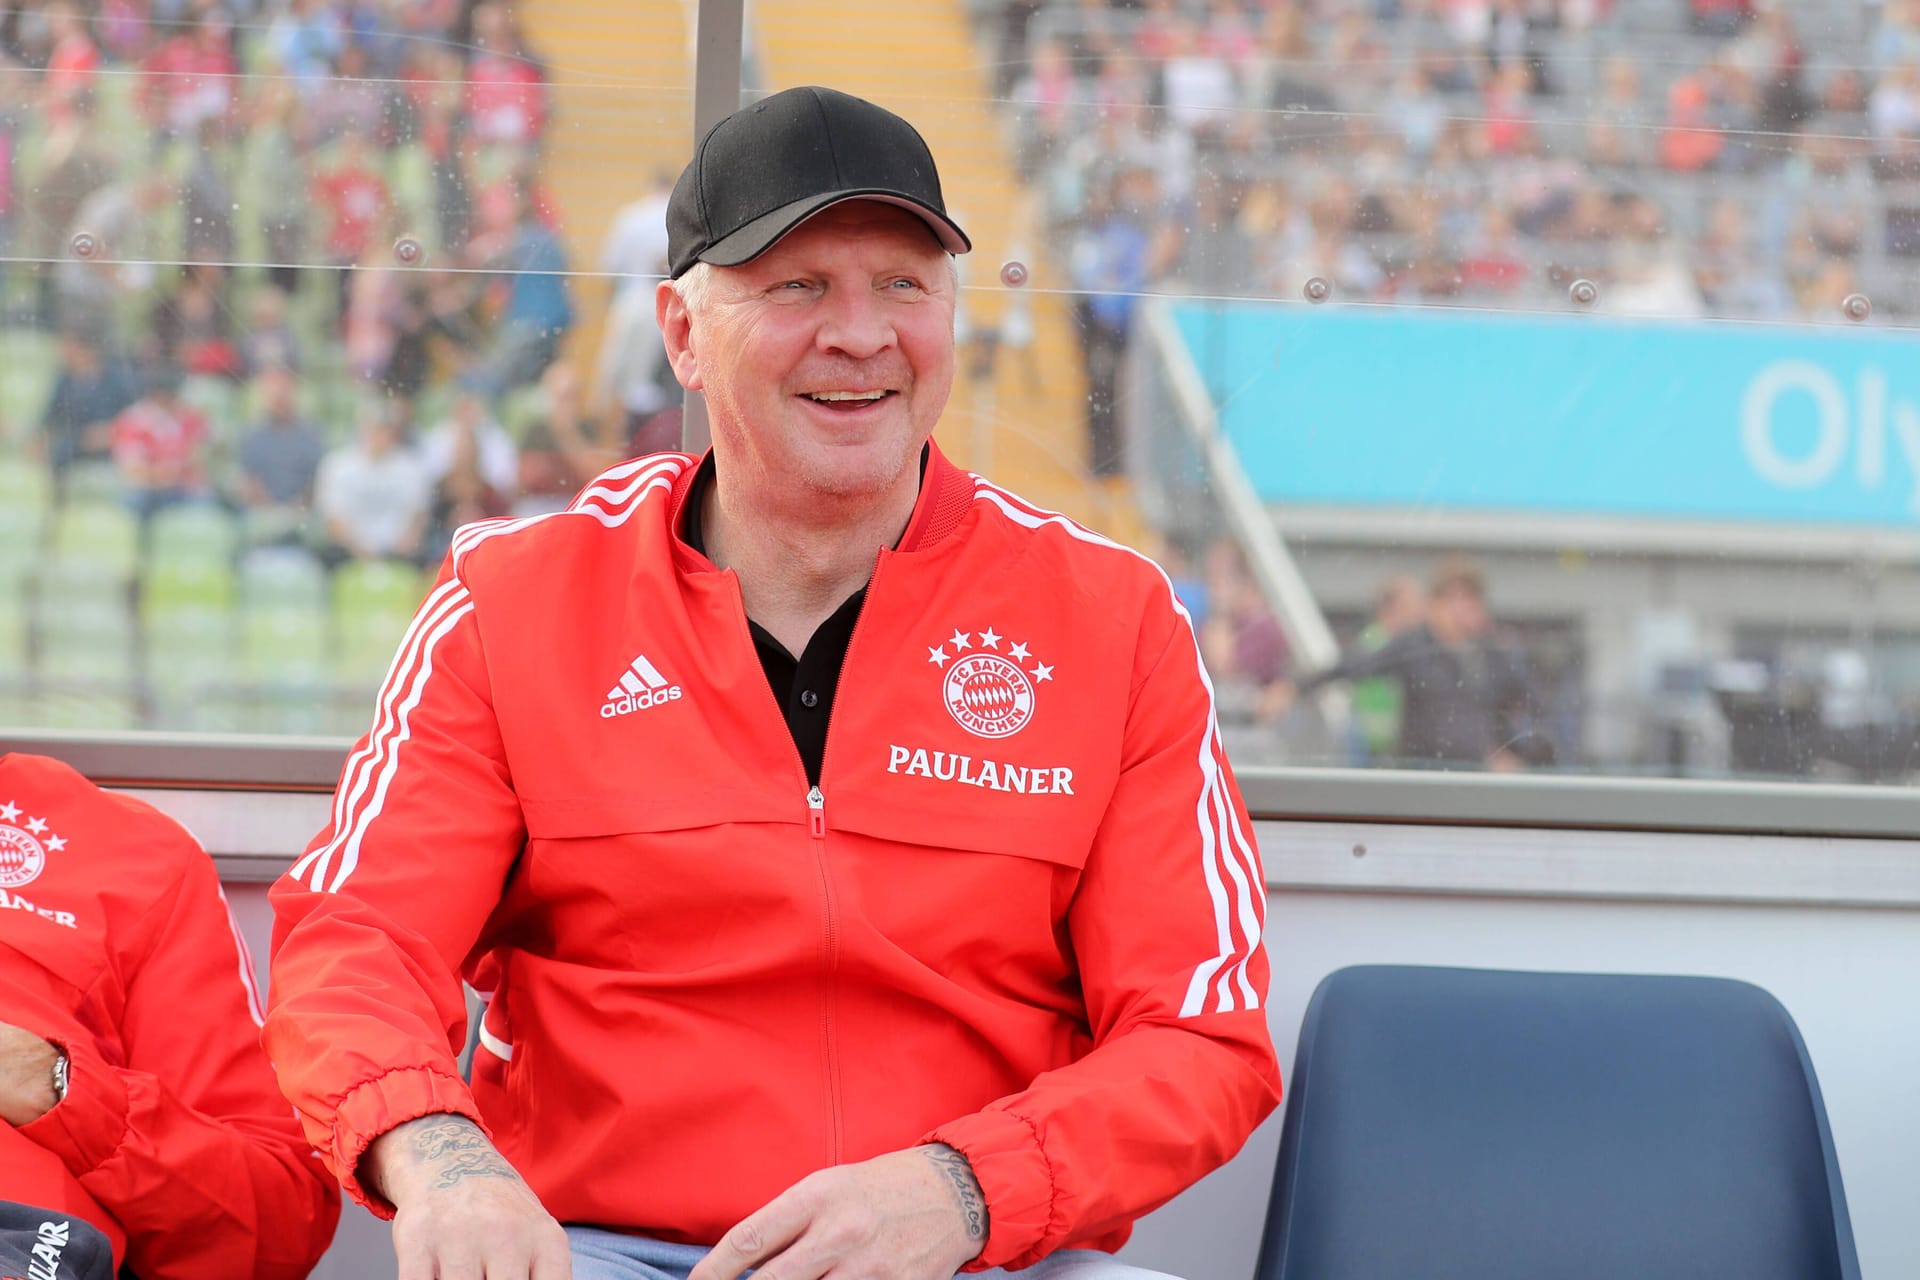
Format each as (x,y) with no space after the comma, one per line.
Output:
(802,686)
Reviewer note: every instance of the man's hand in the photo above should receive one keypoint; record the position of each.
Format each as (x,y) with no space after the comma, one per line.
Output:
(464,1214)
(907,1215)
(26,1075)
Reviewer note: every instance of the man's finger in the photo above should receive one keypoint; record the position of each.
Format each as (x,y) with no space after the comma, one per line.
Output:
(415,1262)
(805,1259)
(499,1264)
(756,1237)
(553,1261)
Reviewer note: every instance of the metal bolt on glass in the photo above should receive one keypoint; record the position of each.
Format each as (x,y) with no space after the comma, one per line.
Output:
(1317,289)
(407,251)
(1857,306)
(1584,292)
(84,244)
(1013,274)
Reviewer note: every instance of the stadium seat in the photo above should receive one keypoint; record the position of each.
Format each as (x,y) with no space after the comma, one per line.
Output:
(19,708)
(28,364)
(23,526)
(25,485)
(1500,1126)
(377,586)
(169,588)
(91,706)
(94,538)
(364,645)
(272,577)
(189,652)
(83,634)
(13,637)
(93,481)
(199,534)
(284,647)
(373,602)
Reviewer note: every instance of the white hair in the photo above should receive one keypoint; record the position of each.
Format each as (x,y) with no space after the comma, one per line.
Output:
(695,286)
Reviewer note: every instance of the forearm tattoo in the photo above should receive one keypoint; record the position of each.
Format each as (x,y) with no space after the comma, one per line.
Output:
(459,1150)
(966,1187)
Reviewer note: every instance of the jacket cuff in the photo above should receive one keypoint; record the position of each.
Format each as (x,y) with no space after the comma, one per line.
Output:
(1017,1180)
(387,1102)
(90,1123)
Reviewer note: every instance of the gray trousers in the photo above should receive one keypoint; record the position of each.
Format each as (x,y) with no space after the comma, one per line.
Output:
(609,1255)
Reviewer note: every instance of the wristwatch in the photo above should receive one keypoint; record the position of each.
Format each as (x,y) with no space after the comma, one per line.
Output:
(60,1077)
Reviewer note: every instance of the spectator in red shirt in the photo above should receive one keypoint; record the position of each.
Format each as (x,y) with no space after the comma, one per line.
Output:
(353,200)
(71,64)
(159,448)
(506,85)
(1690,142)
(189,79)
(354,197)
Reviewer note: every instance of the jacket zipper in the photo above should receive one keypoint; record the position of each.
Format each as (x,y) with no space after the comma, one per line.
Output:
(817,829)
(829,967)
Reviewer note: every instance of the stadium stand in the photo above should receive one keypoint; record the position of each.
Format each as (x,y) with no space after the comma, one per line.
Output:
(1445,153)
(239,182)
(1473,153)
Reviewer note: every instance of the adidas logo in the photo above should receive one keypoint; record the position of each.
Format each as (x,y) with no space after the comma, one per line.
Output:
(641,687)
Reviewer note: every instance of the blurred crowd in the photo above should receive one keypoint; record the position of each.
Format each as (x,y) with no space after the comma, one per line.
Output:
(1432,680)
(1729,158)
(283,303)
(294,258)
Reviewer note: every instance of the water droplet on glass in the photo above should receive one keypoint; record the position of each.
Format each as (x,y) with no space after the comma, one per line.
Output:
(1317,289)
(1583,292)
(84,244)
(407,251)
(1013,274)
(1857,306)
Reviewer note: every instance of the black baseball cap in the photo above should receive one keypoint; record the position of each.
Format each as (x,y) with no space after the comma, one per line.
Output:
(770,166)
(39,1242)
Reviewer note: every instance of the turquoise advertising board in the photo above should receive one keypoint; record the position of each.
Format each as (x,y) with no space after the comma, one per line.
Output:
(1565,414)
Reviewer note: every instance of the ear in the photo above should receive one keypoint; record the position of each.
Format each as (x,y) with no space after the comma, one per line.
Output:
(676,330)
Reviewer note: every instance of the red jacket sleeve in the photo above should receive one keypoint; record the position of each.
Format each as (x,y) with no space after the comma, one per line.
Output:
(189,1144)
(1166,924)
(373,924)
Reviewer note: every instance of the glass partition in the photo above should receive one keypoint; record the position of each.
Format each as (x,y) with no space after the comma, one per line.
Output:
(1514,385)
(1505,384)
(291,290)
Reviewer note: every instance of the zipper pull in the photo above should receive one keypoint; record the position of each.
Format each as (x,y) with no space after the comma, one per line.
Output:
(817,813)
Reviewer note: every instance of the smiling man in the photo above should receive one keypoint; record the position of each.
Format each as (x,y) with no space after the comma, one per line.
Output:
(844,846)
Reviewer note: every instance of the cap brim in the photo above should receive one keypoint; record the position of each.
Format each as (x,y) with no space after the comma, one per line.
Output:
(760,235)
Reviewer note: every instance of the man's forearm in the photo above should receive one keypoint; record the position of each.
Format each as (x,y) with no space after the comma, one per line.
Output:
(436,1151)
(968,1197)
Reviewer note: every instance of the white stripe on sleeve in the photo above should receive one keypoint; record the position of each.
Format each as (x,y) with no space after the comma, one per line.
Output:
(1218,827)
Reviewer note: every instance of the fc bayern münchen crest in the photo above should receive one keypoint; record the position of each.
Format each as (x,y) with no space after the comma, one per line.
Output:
(21,858)
(987,694)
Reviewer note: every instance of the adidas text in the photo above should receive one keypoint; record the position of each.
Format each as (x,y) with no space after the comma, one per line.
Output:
(627,704)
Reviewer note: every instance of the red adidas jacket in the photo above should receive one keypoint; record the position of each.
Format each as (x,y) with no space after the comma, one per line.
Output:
(1020,915)
(116,945)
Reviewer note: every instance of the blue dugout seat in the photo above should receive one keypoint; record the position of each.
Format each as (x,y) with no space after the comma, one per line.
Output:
(1458,1124)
